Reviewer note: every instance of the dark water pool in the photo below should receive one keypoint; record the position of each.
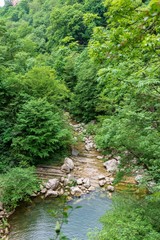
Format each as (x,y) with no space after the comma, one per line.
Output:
(34,222)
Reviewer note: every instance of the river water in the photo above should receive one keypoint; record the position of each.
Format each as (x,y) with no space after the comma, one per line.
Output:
(35,221)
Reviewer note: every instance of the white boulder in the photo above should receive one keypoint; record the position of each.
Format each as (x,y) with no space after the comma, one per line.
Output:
(52,193)
(100,177)
(86,182)
(68,165)
(102,182)
(111,165)
(76,191)
(110,188)
(52,184)
(79,181)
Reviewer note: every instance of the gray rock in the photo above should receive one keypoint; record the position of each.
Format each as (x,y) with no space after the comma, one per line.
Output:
(66,181)
(68,165)
(89,146)
(65,168)
(79,181)
(82,188)
(44,190)
(110,188)
(100,157)
(86,182)
(52,193)
(111,165)
(109,180)
(61,192)
(76,191)
(62,179)
(52,184)
(2,214)
(91,188)
(100,177)
(71,178)
(102,183)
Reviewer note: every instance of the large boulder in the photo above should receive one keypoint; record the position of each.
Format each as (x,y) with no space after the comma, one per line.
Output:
(89,146)
(111,165)
(61,192)
(79,181)
(52,193)
(68,165)
(76,191)
(65,168)
(86,182)
(52,184)
(102,182)
(110,188)
(101,177)
(109,180)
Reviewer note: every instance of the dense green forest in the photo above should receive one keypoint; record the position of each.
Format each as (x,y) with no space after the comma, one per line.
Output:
(98,60)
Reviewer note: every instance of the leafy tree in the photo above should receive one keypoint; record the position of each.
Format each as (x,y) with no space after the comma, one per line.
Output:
(42,82)
(128,82)
(67,21)
(84,100)
(39,132)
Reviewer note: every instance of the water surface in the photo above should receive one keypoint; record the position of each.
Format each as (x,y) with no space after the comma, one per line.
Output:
(34,222)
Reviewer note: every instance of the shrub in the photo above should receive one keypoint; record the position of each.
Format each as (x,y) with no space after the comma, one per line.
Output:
(17,185)
(130,220)
(39,132)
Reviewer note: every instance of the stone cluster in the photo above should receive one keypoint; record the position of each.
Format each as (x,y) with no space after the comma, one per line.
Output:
(67,186)
(4,226)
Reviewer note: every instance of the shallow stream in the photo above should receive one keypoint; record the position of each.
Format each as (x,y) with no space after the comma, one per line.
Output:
(34,222)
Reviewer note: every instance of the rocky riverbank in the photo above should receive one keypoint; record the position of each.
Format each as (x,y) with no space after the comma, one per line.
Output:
(82,172)
(4,225)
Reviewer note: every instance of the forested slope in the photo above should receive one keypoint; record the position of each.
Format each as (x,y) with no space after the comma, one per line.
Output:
(99,60)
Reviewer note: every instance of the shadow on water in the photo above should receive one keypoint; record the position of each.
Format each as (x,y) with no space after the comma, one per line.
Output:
(35,222)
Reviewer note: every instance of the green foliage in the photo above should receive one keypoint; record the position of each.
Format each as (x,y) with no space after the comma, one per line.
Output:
(126,52)
(67,21)
(39,132)
(84,100)
(91,128)
(99,59)
(41,82)
(17,185)
(130,219)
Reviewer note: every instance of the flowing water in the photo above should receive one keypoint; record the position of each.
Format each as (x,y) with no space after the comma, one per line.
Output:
(34,222)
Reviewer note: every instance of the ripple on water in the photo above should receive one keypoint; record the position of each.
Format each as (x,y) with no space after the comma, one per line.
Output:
(34,222)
